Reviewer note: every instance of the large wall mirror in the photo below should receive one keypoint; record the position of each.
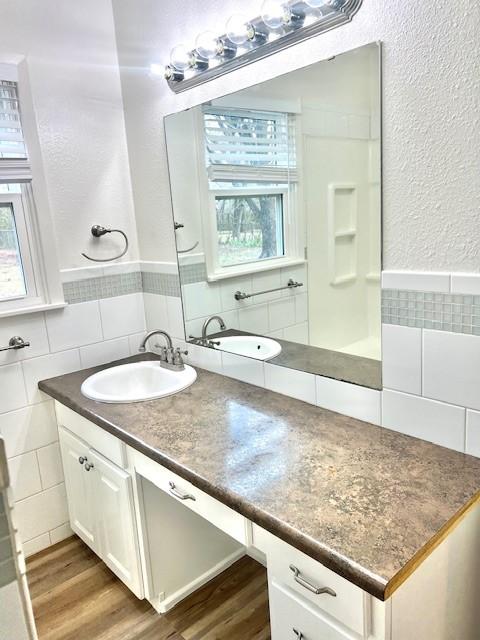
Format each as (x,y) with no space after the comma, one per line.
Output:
(277,207)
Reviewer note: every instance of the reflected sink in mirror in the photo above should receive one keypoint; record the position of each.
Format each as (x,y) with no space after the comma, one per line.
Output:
(251,346)
(137,382)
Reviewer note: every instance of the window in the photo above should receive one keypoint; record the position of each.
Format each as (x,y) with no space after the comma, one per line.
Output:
(23,284)
(251,174)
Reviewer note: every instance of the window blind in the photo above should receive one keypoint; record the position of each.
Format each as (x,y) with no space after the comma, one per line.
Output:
(14,164)
(249,145)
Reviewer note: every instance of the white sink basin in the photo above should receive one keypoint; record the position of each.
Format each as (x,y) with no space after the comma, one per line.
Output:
(137,382)
(250,346)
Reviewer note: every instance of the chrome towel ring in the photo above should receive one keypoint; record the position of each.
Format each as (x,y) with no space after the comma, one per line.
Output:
(97,232)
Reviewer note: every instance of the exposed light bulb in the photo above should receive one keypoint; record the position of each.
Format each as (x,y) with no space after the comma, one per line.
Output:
(239,30)
(180,58)
(207,45)
(316,4)
(275,14)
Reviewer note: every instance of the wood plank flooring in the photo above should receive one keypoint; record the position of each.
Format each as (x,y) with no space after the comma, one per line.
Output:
(76,596)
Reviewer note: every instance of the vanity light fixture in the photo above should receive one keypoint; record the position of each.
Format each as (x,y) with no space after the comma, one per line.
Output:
(280,25)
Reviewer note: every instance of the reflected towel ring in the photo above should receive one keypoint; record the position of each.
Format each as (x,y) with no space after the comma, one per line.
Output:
(97,232)
(177,226)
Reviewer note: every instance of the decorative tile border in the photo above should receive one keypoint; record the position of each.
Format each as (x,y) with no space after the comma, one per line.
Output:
(121,284)
(456,313)
(191,273)
(164,284)
(102,287)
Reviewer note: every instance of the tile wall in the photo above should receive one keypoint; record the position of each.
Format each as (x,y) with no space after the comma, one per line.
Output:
(431,365)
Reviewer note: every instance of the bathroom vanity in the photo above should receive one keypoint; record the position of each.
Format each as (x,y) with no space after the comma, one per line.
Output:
(366,533)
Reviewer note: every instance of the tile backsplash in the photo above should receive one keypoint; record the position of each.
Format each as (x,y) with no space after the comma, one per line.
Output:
(431,360)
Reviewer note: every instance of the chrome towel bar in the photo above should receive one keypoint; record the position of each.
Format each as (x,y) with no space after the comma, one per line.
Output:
(241,295)
(15,343)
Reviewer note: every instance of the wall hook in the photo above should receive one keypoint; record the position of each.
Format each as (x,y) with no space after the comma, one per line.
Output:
(97,232)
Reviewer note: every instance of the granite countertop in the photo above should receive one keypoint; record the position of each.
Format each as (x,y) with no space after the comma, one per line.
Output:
(346,367)
(366,502)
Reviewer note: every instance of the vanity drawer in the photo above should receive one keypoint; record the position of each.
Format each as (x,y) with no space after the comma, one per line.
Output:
(291,619)
(303,575)
(221,516)
(109,446)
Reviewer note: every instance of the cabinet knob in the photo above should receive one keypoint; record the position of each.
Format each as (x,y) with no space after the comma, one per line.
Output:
(88,466)
(82,459)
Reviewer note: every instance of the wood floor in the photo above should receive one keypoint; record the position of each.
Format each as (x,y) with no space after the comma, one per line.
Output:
(75,596)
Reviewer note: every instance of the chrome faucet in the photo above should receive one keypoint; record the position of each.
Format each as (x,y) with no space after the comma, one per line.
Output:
(170,357)
(206,324)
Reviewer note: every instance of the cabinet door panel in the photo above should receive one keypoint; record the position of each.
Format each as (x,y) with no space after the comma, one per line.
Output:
(292,619)
(116,521)
(78,485)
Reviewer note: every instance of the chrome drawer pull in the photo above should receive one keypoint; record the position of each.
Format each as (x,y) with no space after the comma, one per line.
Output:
(181,496)
(82,459)
(299,634)
(318,591)
(88,466)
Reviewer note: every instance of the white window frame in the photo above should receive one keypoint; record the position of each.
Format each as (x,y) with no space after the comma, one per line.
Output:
(294,253)
(33,220)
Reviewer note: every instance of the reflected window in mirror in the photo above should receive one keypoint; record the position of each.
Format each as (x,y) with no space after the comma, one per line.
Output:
(251,180)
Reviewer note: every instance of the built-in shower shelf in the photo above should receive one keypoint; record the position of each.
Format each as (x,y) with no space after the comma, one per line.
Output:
(342,233)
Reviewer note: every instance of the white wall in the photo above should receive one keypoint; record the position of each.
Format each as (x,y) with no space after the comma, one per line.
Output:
(431,126)
(72,63)
(75,87)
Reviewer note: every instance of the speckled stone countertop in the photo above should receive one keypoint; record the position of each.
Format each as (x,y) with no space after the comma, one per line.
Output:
(366,502)
(323,362)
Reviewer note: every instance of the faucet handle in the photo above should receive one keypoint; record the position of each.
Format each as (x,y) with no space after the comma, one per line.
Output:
(163,353)
(177,357)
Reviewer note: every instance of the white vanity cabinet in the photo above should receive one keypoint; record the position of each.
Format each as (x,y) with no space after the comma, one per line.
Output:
(100,503)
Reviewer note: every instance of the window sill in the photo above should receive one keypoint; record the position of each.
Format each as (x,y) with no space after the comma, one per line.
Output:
(258,268)
(34,309)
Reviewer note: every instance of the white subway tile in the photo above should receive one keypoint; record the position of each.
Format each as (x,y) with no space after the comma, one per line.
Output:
(297,273)
(50,465)
(29,428)
(12,387)
(297,333)
(55,364)
(434,421)
(201,299)
(156,316)
(451,367)
(118,268)
(134,342)
(175,317)
(473,433)
(74,326)
(289,382)
(122,315)
(301,308)
(103,352)
(281,313)
(81,273)
(402,358)
(229,287)
(416,281)
(42,512)
(254,319)
(60,533)
(275,334)
(160,267)
(467,283)
(244,369)
(205,358)
(24,475)
(31,328)
(30,547)
(267,280)
(349,399)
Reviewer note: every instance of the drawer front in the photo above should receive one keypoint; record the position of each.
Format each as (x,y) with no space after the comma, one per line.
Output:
(303,575)
(292,619)
(109,446)
(227,520)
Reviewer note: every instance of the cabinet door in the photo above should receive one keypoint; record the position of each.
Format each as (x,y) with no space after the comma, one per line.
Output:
(293,619)
(116,521)
(78,485)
